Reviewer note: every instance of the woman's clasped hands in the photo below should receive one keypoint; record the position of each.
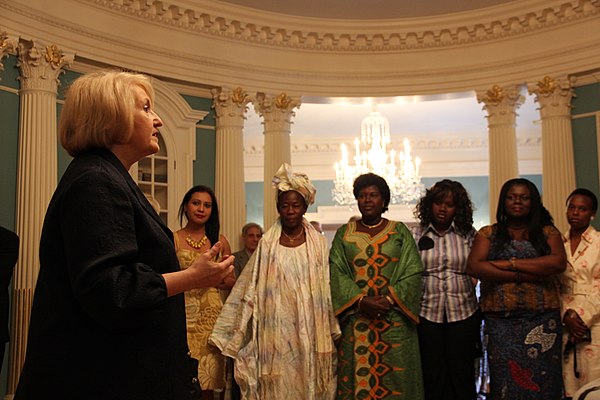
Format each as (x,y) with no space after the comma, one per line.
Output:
(375,306)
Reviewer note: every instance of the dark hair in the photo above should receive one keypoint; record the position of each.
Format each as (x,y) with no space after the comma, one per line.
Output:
(463,219)
(370,179)
(538,217)
(586,193)
(212,226)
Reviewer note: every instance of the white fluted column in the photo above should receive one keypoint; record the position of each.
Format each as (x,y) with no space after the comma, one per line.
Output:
(558,163)
(501,105)
(230,107)
(40,67)
(277,113)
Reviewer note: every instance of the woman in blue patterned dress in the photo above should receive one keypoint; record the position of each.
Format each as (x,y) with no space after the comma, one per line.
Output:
(518,260)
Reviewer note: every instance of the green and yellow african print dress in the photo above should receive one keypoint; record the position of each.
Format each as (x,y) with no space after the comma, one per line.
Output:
(377,359)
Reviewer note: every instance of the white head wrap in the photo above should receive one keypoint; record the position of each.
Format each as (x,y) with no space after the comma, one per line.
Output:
(285,179)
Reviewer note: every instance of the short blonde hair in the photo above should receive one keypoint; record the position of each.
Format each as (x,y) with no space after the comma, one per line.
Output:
(99,110)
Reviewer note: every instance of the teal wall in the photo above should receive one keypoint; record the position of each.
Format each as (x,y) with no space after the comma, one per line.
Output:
(9,150)
(585,139)
(206,144)
(9,142)
(63,158)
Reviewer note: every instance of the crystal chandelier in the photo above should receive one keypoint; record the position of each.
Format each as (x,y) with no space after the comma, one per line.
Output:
(371,155)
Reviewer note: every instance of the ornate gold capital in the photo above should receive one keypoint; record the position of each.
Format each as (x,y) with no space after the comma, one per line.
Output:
(54,56)
(495,95)
(3,41)
(546,85)
(283,101)
(230,105)
(7,45)
(239,96)
(40,65)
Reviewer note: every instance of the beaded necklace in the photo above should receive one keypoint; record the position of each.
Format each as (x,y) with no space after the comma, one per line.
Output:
(196,244)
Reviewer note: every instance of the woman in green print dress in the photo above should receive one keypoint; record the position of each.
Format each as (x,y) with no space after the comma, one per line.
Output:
(376,288)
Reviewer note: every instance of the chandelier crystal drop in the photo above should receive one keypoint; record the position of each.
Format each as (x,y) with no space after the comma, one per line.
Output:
(400,171)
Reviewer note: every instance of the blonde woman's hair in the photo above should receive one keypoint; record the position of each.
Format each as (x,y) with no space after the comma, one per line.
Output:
(99,110)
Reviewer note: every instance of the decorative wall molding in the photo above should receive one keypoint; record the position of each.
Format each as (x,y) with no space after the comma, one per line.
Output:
(227,22)
(308,144)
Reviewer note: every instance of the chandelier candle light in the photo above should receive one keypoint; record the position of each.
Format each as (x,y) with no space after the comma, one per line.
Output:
(371,155)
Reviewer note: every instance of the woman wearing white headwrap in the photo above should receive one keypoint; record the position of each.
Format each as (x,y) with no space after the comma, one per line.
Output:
(278,322)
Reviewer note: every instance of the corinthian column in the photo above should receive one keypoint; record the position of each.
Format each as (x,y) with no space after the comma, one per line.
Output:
(501,105)
(40,67)
(558,164)
(230,107)
(277,113)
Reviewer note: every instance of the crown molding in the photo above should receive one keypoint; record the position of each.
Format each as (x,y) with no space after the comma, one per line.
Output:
(311,145)
(229,22)
(206,43)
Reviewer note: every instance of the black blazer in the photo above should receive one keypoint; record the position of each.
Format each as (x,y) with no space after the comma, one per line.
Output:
(9,253)
(102,326)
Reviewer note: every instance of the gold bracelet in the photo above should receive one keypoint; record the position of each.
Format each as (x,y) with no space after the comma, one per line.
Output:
(513,263)
(389,299)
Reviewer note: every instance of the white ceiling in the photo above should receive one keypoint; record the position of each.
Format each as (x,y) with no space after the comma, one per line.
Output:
(366,9)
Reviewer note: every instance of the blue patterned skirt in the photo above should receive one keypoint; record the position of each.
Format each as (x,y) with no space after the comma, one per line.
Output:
(524,350)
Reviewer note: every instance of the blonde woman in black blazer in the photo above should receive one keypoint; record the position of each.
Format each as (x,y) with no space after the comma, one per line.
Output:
(108,319)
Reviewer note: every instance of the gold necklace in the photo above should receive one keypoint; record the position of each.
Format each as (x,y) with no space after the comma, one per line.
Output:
(371,226)
(196,243)
(292,238)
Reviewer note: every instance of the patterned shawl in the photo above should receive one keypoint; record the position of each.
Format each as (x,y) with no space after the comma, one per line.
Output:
(246,331)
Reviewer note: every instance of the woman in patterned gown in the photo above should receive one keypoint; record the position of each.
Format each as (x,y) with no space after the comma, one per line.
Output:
(278,323)
(518,260)
(376,289)
(202,306)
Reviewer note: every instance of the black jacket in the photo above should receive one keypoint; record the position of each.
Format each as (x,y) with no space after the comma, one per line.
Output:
(102,326)
(9,252)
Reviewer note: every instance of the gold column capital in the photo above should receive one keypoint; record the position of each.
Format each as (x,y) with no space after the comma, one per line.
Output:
(230,103)
(276,108)
(41,64)
(8,45)
(501,103)
(554,96)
